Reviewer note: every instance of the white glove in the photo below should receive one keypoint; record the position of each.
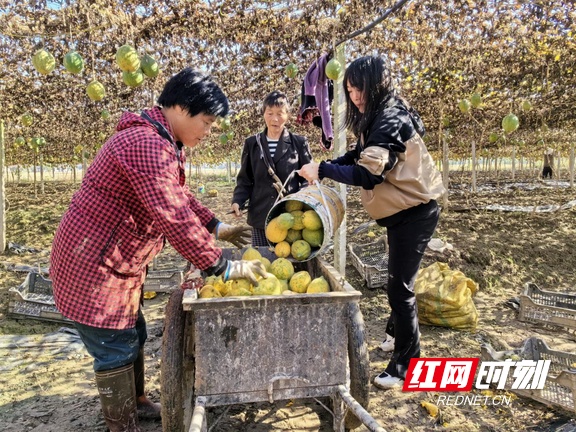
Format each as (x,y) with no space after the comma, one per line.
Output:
(238,235)
(245,270)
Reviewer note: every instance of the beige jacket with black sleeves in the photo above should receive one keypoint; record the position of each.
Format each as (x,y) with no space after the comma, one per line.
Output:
(412,181)
(390,163)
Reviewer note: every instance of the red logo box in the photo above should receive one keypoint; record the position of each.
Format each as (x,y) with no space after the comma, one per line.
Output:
(440,374)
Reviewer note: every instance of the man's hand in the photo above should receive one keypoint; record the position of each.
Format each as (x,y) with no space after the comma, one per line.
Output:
(309,171)
(245,270)
(238,235)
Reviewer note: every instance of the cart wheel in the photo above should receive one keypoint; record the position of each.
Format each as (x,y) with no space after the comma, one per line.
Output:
(359,363)
(176,368)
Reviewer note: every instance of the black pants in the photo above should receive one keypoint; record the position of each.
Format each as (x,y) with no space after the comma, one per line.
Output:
(547,172)
(407,241)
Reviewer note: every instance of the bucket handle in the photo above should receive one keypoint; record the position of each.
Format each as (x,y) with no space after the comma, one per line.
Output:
(280,196)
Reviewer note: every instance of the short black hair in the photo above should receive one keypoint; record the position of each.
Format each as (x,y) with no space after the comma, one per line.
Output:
(275,99)
(194,92)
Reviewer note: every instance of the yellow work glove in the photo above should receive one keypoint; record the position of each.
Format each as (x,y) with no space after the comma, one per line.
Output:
(238,235)
(245,270)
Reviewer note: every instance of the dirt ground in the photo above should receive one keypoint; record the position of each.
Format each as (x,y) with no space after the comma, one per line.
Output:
(501,251)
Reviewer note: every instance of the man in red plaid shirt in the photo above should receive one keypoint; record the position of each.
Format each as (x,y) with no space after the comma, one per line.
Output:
(132,199)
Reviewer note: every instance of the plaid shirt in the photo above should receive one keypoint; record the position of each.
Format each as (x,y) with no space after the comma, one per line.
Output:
(132,198)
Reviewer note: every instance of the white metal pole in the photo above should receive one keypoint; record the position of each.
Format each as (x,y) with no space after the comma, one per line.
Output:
(339,109)
(2,192)
(572,164)
(445,170)
(473,166)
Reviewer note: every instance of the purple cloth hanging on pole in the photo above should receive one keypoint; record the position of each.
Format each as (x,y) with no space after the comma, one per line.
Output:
(317,97)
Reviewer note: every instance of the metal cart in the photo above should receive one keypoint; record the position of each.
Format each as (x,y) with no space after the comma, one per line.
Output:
(237,350)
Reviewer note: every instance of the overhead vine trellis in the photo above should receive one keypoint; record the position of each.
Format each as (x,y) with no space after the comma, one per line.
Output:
(508,51)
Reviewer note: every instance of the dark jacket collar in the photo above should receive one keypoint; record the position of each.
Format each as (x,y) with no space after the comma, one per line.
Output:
(283,144)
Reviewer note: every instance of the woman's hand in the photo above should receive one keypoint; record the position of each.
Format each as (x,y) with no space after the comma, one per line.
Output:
(236,210)
(309,171)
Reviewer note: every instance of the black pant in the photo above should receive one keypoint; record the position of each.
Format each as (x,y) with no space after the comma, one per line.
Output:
(407,241)
(547,172)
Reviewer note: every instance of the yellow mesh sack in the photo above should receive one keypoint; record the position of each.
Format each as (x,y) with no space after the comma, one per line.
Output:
(444,298)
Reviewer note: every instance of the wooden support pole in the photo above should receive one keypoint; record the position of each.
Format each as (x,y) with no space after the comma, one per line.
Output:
(199,422)
(514,162)
(473,166)
(445,170)
(359,411)
(572,164)
(339,109)
(2,191)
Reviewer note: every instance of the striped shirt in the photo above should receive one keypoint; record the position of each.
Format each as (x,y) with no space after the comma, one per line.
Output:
(272,144)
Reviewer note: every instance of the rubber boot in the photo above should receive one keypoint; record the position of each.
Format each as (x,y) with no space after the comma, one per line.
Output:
(118,398)
(146,408)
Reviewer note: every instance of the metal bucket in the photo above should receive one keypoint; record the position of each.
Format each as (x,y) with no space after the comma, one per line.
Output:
(325,202)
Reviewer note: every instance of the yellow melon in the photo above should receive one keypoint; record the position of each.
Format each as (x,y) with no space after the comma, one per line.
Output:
(27,119)
(274,232)
(270,285)
(210,280)
(241,283)
(127,58)
(300,281)
(282,249)
(285,221)
(221,286)
(318,285)
(284,284)
(43,61)
(96,91)
(282,268)
(251,254)
(208,291)
(149,66)
(292,205)
(266,263)
(301,250)
(298,225)
(313,237)
(238,292)
(133,79)
(293,235)
(311,220)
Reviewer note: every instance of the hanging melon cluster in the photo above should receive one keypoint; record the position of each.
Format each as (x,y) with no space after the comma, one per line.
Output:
(34,143)
(227,132)
(134,68)
(44,62)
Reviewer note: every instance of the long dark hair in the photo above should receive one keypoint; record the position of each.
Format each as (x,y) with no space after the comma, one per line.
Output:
(370,75)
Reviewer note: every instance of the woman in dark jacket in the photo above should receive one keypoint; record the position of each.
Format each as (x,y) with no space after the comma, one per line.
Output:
(399,188)
(273,152)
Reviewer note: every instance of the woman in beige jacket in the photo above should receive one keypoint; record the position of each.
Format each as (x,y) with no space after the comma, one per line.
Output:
(399,188)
